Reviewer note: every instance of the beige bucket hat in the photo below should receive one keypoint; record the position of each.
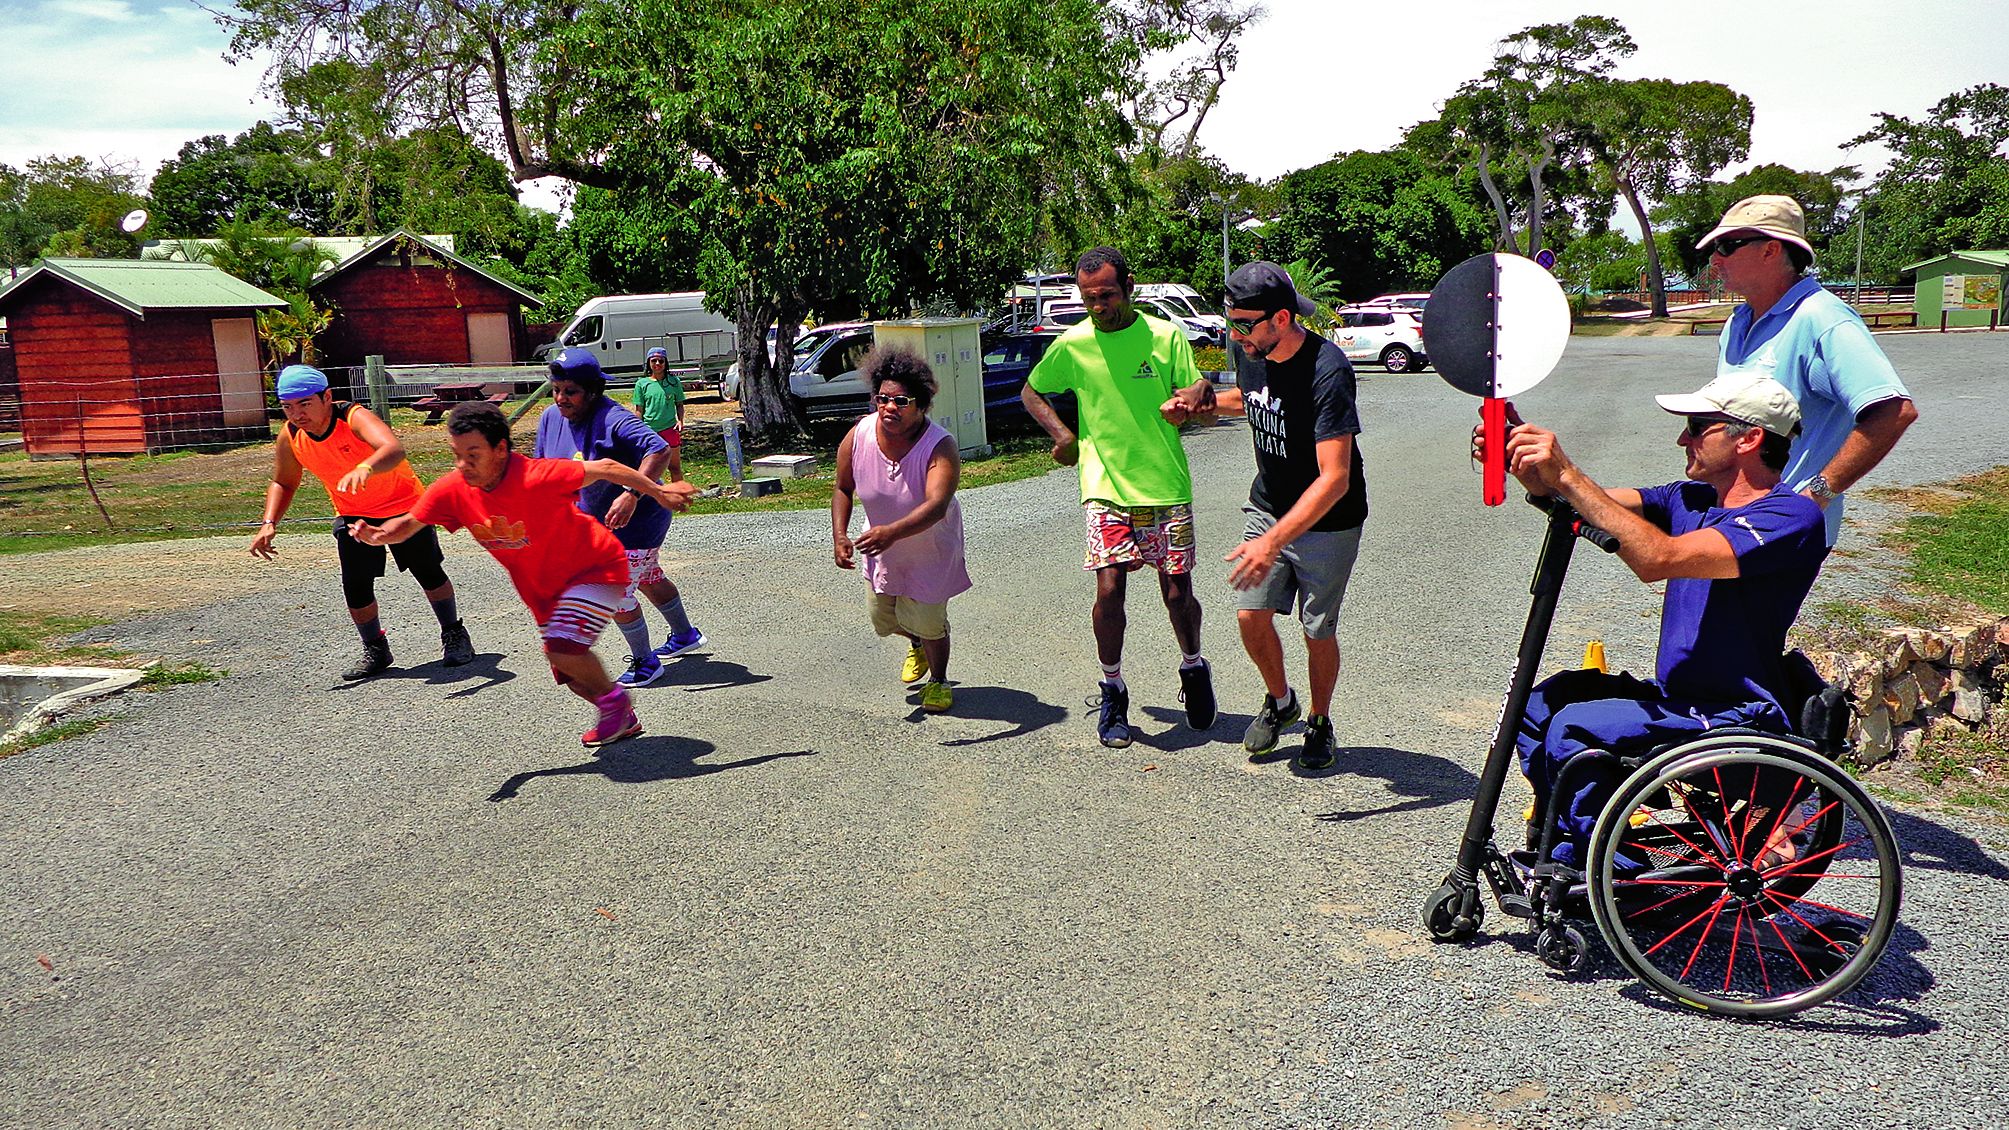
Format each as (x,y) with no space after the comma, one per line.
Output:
(1779,217)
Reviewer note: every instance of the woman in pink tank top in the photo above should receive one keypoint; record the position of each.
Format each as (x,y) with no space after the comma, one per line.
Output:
(904,468)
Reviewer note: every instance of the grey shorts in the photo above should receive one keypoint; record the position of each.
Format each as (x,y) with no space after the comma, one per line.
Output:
(1310,576)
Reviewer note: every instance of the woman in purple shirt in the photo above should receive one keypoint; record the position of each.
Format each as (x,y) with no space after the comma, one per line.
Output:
(904,468)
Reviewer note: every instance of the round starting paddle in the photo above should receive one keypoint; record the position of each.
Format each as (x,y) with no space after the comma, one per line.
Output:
(1495,326)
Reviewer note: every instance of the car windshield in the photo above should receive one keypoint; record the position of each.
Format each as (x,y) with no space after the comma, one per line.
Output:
(809,343)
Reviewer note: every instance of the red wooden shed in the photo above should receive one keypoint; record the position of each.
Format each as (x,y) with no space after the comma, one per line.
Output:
(119,355)
(417,303)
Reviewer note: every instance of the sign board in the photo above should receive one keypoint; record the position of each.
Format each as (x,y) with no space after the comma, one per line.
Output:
(1970,292)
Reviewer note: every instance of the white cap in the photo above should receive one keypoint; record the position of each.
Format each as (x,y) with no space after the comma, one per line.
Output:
(1747,398)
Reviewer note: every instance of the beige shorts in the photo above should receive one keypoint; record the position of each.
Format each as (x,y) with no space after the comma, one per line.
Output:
(892,614)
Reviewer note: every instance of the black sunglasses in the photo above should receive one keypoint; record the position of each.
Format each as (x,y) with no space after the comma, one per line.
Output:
(1698,426)
(1729,246)
(895,401)
(1247,326)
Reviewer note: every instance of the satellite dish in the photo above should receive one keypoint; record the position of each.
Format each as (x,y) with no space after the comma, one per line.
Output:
(134,221)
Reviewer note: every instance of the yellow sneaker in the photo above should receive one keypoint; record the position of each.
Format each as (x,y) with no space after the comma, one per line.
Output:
(916,667)
(937,697)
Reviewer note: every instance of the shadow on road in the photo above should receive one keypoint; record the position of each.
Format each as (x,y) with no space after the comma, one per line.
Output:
(1425,780)
(642,761)
(703,673)
(1931,846)
(1227,727)
(1022,712)
(486,666)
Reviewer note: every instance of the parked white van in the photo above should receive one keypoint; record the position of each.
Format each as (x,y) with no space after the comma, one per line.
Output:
(1187,303)
(620,329)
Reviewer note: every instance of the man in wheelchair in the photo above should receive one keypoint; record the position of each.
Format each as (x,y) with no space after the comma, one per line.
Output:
(1739,552)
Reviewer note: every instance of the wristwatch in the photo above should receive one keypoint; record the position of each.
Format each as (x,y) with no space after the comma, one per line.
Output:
(1818,487)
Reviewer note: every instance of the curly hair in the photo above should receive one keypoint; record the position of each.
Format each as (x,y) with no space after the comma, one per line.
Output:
(904,368)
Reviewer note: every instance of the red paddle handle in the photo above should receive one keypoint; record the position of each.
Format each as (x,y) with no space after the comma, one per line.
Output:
(1493,413)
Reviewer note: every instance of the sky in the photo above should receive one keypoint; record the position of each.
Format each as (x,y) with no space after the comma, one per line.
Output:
(131,80)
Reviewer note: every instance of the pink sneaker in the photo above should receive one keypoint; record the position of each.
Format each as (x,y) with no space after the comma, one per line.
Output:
(617,720)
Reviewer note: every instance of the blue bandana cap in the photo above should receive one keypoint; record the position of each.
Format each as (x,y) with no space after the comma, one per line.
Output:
(298,382)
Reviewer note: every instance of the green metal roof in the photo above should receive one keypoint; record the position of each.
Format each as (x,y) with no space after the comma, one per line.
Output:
(370,250)
(1996,259)
(138,286)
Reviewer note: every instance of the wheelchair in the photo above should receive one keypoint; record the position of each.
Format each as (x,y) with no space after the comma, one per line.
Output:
(1740,872)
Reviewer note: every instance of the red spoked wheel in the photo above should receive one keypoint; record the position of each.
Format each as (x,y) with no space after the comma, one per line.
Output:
(1745,875)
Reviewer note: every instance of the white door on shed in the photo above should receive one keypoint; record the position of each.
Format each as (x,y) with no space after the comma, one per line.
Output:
(238,377)
(488,340)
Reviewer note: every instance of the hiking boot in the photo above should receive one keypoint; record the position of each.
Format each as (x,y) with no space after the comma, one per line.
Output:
(1317,751)
(916,666)
(1270,722)
(617,720)
(456,649)
(642,670)
(937,697)
(376,659)
(1196,690)
(1113,727)
(681,642)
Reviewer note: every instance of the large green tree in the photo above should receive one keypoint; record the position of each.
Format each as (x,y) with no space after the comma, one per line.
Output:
(66,206)
(1652,137)
(858,152)
(1688,215)
(262,174)
(1943,190)
(1376,222)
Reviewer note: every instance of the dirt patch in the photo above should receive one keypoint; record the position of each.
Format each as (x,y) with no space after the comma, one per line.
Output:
(112,581)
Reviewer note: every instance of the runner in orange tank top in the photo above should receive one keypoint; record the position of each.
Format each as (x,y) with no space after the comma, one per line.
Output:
(359,459)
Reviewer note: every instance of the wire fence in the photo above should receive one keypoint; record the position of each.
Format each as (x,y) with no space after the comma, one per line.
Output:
(131,414)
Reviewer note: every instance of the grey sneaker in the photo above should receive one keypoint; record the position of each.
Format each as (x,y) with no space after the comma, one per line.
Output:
(376,659)
(456,649)
(1317,751)
(1269,722)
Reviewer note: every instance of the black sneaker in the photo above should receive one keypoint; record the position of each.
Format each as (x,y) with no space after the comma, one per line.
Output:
(456,649)
(376,659)
(1196,690)
(1113,727)
(1269,723)
(1317,751)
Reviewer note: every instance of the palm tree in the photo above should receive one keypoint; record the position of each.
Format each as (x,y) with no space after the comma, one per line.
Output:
(1318,284)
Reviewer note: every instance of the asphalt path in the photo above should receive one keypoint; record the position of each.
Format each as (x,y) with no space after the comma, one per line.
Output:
(283,900)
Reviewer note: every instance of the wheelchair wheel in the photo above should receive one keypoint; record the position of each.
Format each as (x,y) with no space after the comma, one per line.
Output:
(1745,875)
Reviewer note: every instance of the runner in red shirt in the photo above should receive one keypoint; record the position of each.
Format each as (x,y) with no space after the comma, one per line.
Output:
(566,566)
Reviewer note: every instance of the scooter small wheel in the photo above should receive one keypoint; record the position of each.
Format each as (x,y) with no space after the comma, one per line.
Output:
(1562,948)
(1453,913)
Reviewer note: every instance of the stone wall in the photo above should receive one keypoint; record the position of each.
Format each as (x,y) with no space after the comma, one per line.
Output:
(1914,681)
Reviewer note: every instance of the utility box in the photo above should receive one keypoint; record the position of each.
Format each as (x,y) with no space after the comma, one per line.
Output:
(953,348)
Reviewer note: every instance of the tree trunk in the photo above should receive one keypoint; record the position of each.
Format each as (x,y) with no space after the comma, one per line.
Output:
(1537,201)
(1505,219)
(763,385)
(1656,280)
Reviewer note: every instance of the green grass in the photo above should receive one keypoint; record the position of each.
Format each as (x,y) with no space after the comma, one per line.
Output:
(29,638)
(44,506)
(1962,550)
(164,674)
(75,728)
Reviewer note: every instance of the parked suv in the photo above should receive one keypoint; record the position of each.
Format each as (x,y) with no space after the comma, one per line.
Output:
(1389,335)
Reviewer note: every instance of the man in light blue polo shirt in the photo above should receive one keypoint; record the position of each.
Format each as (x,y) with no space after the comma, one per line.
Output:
(1853,406)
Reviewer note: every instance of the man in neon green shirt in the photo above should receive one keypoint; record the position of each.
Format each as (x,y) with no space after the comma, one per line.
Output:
(1136,491)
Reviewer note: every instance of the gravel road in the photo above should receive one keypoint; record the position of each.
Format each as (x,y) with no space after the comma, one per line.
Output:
(278,900)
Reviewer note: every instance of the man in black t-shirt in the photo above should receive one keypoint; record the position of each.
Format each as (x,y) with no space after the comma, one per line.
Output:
(1306,505)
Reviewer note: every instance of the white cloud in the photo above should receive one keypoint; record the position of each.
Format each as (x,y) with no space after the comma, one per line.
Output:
(116,10)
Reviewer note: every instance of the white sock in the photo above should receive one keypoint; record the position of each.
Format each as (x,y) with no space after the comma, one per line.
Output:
(1113,673)
(1192,660)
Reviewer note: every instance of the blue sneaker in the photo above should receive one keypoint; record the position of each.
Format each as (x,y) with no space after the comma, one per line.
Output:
(642,670)
(680,643)
(1113,727)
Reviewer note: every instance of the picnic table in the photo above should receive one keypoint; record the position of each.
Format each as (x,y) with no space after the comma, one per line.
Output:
(446,395)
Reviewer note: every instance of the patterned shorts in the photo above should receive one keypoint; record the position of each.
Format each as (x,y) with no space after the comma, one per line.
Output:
(581,615)
(1158,536)
(643,569)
